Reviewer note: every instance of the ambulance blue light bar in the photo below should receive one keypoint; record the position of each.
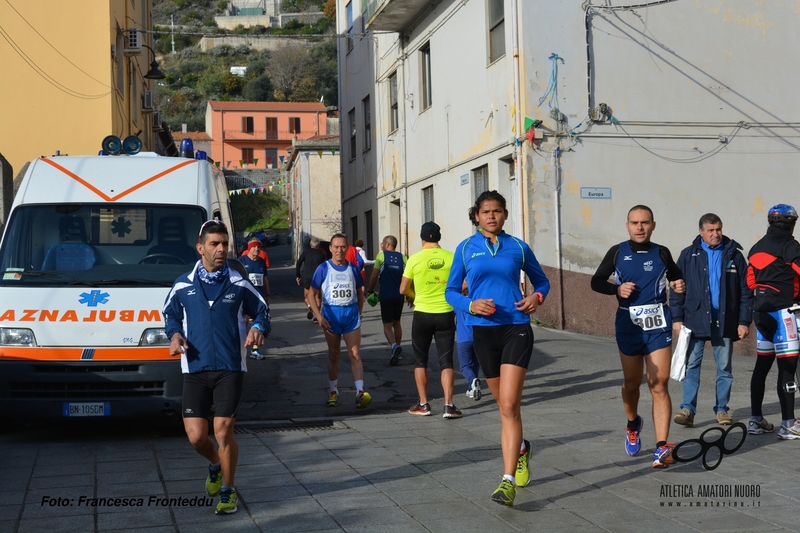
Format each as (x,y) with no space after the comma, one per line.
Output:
(187,148)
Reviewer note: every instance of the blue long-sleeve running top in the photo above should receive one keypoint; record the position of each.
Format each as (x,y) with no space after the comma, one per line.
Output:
(492,272)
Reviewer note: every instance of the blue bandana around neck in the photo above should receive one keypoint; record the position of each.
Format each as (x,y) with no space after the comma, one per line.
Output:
(212,277)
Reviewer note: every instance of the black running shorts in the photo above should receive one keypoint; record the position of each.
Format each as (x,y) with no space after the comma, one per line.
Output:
(502,345)
(425,327)
(223,390)
(391,310)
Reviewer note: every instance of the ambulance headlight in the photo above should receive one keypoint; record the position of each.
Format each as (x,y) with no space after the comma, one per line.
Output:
(154,337)
(17,337)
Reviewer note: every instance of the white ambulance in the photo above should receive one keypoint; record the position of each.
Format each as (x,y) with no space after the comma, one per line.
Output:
(91,248)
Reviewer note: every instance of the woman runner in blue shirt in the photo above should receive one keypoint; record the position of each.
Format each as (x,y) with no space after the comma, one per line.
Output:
(491,261)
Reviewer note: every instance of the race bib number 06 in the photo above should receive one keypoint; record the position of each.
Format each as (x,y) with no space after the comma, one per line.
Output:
(648,317)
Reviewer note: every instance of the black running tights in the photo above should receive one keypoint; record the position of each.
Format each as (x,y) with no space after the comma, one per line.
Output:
(787,366)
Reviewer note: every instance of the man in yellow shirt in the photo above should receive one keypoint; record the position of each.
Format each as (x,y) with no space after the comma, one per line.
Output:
(424,281)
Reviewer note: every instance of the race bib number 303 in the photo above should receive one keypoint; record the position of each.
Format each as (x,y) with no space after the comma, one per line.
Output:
(648,317)
(342,294)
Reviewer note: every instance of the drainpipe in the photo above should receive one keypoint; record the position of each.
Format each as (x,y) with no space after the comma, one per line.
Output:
(519,223)
(222,135)
(559,260)
(404,190)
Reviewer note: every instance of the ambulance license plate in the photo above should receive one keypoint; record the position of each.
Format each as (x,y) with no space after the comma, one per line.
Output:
(87,408)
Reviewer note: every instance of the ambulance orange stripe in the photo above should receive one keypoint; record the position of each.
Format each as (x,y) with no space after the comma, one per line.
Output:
(131,354)
(103,195)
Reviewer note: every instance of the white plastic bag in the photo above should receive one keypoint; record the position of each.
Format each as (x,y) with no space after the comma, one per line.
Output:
(677,370)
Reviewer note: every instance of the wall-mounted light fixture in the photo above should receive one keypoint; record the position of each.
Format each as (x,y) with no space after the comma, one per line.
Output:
(154,73)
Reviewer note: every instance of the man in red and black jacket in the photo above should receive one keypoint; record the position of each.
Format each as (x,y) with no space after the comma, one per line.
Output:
(774,275)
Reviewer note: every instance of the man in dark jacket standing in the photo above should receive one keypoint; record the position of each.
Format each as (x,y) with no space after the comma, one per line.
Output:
(716,307)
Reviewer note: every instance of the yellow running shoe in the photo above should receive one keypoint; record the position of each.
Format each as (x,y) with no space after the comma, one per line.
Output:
(363,399)
(228,502)
(333,399)
(505,493)
(523,474)
(214,480)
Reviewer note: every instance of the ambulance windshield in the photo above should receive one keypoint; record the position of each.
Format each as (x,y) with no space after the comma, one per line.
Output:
(87,244)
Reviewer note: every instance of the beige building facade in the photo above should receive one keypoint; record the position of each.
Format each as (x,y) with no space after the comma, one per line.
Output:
(72,75)
(311,175)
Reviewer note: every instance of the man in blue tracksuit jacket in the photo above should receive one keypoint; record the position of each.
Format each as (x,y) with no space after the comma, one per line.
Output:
(716,307)
(205,322)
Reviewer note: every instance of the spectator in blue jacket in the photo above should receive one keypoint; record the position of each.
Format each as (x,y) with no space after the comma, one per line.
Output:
(205,323)
(716,307)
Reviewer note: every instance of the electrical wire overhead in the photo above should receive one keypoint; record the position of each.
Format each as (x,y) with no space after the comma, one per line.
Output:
(54,48)
(40,71)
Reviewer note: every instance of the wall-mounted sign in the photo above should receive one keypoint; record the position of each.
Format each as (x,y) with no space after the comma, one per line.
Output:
(595,193)
(464,179)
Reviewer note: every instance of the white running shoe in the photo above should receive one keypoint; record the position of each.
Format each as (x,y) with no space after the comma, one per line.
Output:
(475,390)
(790,433)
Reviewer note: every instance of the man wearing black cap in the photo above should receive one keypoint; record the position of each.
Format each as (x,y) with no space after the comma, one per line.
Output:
(424,281)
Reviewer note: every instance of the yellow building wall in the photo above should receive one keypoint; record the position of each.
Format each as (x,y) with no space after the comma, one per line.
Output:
(58,77)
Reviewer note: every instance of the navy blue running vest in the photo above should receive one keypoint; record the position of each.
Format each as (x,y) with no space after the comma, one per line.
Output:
(649,273)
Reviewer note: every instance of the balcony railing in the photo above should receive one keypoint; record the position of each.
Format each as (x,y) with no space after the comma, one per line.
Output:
(261,135)
(370,8)
(391,15)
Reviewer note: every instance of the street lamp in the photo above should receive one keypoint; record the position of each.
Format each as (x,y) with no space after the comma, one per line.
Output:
(154,73)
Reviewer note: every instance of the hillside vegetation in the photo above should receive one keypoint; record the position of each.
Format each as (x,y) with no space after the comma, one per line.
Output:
(292,73)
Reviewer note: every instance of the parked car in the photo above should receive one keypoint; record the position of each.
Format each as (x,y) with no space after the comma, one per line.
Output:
(268,237)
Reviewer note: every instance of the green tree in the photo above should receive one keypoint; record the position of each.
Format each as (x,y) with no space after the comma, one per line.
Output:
(191,15)
(233,85)
(259,89)
(212,84)
(293,24)
(326,73)
(258,211)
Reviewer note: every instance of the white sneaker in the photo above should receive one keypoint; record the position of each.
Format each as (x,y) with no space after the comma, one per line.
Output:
(474,392)
(790,433)
(757,427)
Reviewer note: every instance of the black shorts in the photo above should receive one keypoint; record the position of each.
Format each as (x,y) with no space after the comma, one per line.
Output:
(391,310)
(306,283)
(425,327)
(204,389)
(502,345)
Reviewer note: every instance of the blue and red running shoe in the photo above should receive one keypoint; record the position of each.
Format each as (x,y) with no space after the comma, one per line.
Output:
(662,457)
(632,442)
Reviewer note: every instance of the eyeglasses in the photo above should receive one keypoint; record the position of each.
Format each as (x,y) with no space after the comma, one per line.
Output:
(210,224)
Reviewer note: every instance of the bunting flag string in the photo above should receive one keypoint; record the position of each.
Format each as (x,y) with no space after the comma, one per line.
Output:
(265,189)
